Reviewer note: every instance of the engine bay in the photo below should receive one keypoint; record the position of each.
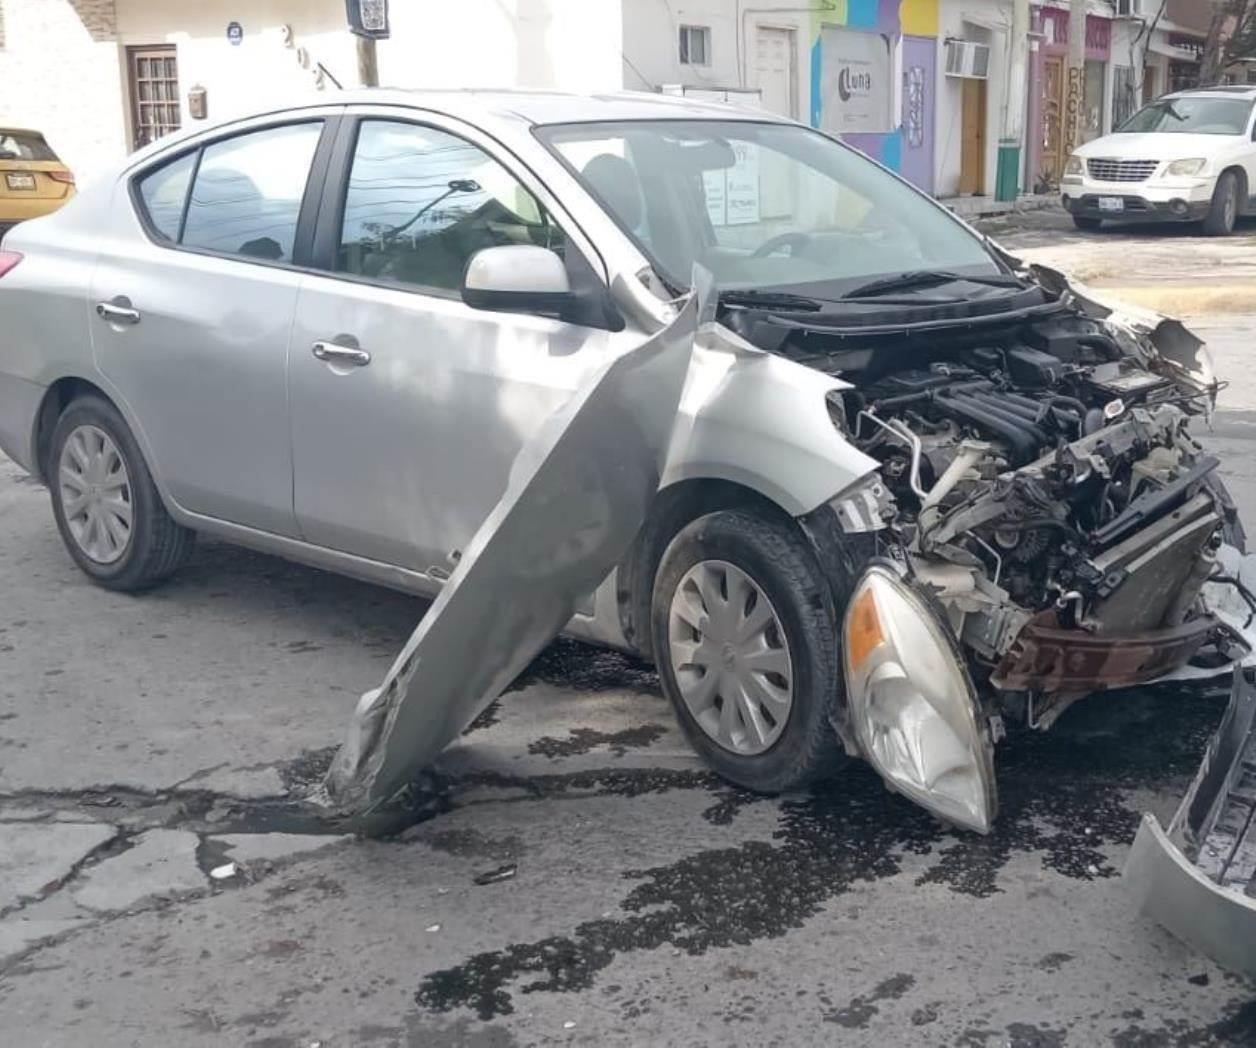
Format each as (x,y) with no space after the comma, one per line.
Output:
(1041,481)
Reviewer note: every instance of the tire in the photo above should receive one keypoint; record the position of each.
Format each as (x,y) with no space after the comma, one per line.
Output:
(1089,225)
(783,569)
(1224,209)
(154,546)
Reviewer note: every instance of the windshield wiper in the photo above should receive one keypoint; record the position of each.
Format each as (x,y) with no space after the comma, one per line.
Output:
(926,278)
(769,300)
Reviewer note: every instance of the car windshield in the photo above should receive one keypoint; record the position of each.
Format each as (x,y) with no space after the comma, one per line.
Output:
(21,145)
(762,205)
(1191,115)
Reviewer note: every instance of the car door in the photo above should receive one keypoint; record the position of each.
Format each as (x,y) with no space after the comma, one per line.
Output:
(194,295)
(408,406)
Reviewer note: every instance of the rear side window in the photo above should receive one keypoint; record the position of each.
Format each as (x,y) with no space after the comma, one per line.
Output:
(21,145)
(164,193)
(245,196)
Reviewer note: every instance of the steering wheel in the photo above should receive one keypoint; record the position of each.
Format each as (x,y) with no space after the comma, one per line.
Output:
(773,244)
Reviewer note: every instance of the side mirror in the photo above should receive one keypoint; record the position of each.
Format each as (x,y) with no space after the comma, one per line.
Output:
(517,278)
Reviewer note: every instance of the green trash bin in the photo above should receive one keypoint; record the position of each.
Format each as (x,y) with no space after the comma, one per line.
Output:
(1007,180)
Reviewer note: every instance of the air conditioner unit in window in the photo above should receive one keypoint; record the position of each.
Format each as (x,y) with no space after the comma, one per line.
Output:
(1129,8)
(967,59)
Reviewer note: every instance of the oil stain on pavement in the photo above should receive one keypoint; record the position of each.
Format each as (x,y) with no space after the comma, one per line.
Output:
(1062,799)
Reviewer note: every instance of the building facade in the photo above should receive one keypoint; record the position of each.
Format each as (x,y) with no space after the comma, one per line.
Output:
(101,77)
(933,89)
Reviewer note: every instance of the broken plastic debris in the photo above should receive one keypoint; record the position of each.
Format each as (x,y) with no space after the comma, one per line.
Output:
(225,871)
(577,494)
(502,873)
(432,928)
(569,1025)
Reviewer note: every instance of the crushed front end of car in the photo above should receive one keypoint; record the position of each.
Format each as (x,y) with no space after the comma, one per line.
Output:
(1046,524)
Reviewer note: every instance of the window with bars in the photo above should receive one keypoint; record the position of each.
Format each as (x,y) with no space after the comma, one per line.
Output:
(695,45)
(153,74)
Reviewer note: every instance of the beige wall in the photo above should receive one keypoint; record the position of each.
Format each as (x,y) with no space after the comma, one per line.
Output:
(70,90)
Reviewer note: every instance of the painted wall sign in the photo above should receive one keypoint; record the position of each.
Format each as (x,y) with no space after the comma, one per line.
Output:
(855,82)
(235,33)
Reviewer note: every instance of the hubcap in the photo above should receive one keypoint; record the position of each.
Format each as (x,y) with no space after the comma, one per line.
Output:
(95,494)
(729,657)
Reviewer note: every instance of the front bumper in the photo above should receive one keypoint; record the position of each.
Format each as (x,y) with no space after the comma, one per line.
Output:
(1155,200)
(1197,877)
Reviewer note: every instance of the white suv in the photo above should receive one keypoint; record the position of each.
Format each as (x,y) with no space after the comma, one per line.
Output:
(1187,157)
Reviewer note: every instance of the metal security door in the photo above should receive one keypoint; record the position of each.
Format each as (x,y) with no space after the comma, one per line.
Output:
(1052,121)
(153,79)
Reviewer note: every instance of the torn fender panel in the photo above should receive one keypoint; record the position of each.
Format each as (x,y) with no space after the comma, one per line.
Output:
(1198,877)
(577,494)
(1170,338)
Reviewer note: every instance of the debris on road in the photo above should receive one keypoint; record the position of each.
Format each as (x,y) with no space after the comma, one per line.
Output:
(502,873)
(225,871)
(1197,876)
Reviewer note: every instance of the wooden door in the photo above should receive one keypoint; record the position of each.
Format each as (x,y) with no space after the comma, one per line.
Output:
(1149,84)
(972,156)
(153,81)
(1053,152)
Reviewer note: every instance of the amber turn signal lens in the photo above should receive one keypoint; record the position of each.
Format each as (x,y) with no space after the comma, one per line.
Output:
(863,629)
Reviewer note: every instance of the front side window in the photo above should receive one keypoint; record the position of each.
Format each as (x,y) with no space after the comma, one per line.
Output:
(420,202)
(246,198)
(761,205)
(1192,115)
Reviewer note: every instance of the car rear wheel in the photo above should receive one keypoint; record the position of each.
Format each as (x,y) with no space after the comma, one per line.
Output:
(747,649)
(1224,209)
(105,503)
(1087,223)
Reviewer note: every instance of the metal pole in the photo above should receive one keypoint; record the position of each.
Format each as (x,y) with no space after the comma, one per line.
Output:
(1007,181)
(368,67)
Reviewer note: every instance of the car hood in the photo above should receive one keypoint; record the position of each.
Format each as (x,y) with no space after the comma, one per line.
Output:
(1153,146)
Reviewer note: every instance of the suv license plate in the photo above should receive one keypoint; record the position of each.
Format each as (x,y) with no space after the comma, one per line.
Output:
(19,181)
(1111,204)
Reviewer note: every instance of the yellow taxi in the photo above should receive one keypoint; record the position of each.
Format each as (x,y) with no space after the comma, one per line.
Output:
(33,181)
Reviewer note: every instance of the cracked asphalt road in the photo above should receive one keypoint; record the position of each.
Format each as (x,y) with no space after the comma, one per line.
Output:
(147,741)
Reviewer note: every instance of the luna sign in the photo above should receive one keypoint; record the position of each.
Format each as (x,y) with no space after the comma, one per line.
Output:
(855,81)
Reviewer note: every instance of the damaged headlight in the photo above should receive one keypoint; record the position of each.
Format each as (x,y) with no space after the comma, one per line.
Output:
(912,703)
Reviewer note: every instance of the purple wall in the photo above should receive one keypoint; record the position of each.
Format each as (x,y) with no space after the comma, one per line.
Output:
(920,56)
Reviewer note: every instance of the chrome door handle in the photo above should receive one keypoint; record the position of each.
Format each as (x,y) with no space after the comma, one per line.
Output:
(333,353)
(117,314)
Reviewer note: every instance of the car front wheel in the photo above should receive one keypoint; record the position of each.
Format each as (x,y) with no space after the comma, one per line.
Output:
(105,502)
(747,649)
(1224,210)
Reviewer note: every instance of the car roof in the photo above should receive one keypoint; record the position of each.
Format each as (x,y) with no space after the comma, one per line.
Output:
(6,130)
(554,107)
(1241,90)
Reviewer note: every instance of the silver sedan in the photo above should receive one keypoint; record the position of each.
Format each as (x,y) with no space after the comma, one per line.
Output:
(326,332)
